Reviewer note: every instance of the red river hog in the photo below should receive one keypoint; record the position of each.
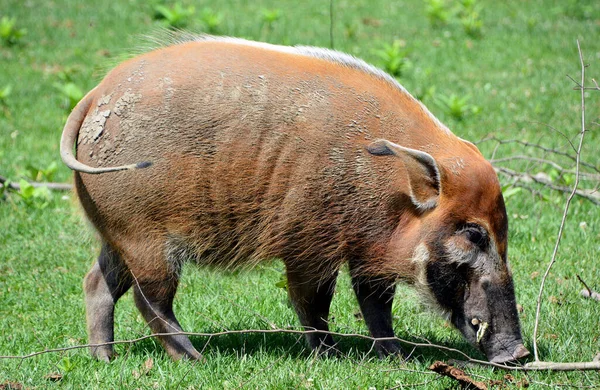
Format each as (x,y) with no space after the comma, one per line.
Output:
(227,152)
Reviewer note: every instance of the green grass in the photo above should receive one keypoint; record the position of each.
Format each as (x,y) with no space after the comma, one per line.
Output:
(514,73)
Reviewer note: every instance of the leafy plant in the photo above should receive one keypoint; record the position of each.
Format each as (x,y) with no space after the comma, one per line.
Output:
(465,12)
(438,12)
(268,19)
(41,174)
(468,12)
(4,94)
(71,92)
(66,73)
(212,20)
(37,197)
(66,365)
(457,107)
(472,24)
(10,34)
(176,16)
(282,282)
(350,30)
(270,16)
(424,93)
(393,57)
(509,190)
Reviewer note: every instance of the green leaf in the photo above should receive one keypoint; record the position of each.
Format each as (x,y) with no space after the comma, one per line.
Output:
(511,191)
(26,191)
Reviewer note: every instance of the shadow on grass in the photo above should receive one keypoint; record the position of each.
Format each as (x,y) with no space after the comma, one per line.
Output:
(294,346)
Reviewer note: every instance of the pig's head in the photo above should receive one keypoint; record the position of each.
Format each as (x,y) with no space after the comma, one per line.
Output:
(455,238)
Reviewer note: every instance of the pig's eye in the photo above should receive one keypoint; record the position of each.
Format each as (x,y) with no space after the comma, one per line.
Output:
(476,234)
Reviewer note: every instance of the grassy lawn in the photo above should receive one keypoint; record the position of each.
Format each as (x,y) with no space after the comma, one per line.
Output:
(501,71)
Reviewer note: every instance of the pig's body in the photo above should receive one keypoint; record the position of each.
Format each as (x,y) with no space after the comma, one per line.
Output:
(260,151)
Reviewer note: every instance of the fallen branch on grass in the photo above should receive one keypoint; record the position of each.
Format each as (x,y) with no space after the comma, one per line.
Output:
(593,195)
(51,186)
(457,374)
(575,366)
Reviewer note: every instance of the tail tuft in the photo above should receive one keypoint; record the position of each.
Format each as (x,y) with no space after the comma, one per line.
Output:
(143,164)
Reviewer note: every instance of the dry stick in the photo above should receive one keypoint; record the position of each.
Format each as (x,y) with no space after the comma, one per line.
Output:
(590,195)
(589,290)
(540,366)
(558,167)
(564,217)
(537,146)
(51,186)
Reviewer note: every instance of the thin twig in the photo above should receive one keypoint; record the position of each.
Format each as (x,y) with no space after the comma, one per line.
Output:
(565,213)
(574,366)
(50,186)
(536,146)
(591,195)
(589,290)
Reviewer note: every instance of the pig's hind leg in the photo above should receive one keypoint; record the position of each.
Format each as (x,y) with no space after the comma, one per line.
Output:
(106,282)
(154,289)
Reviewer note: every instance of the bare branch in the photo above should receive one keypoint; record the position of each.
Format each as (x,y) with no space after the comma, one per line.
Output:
(589,290)
(591,195)
(536,146)
(457,374)
(51,186)
(575,366)
(566,210)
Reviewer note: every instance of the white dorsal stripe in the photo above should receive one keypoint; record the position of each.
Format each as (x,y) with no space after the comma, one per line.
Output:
(169,38)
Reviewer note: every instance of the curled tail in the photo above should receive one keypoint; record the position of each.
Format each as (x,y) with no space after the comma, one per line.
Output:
(69,137)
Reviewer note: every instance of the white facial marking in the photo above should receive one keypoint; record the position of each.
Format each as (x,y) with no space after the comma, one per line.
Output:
(420,259)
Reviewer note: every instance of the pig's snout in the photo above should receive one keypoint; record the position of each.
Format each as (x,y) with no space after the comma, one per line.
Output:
(505,355)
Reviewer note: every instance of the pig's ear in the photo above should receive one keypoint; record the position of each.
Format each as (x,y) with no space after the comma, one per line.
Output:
(423,171)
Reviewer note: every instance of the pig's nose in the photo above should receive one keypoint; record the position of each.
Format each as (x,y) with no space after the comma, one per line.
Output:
(521,352)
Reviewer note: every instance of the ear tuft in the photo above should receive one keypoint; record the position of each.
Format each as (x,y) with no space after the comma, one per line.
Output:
(421,167)
(379,148)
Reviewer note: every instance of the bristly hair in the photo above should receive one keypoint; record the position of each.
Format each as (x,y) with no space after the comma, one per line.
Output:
(162,37)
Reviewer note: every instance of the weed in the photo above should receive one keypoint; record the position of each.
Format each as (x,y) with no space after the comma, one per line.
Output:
(282,282)
(66,365)
(457,107)
(468,13)
(509,191)
(438,12)
(472,24)
(41,174)
(36,197)
(268,19)
(424,93)
(212,20)
(4,95)
(465,13)
(10,34)
(174,17)
(71,92)
(66,74)
(393,57)
(350,30)
(270,16)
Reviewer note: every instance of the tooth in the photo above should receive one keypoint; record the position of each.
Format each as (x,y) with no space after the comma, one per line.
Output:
(481,331)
